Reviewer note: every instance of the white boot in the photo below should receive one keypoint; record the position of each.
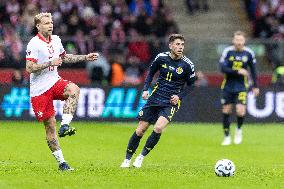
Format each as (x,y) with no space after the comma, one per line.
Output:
(238,136)
(138,161)
(125,163)
(226,141)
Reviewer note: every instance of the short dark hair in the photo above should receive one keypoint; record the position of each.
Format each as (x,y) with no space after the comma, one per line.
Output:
(239,33)
(175,36)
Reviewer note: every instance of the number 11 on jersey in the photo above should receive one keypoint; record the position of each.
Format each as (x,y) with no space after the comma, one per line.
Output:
(169,76)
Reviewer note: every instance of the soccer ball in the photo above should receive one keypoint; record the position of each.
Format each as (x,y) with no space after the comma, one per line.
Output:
(225,168)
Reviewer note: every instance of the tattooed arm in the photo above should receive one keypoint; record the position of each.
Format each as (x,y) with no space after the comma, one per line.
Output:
(32,67)
(70,58)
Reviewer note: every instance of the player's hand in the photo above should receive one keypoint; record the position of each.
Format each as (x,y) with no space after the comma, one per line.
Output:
(145,95)
(56,62)
(174,99)
(92,56)
(255,91)
(243,72)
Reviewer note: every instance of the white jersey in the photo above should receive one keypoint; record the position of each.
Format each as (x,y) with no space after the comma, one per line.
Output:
(41,51)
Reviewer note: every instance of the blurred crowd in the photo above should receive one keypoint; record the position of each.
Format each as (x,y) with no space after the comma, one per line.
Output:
(126,33)
(267,17)
(194,6)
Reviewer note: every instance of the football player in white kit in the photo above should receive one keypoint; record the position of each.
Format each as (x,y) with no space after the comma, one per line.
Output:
(44,54)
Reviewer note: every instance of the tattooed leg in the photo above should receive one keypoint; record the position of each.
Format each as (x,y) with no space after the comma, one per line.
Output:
(52,141)
(51,138)
(72,92)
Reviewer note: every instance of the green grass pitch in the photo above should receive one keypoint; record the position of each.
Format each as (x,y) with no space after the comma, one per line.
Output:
(184,157)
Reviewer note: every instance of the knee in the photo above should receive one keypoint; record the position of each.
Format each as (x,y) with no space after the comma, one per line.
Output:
(226,110)
(140,131)
(241,110)
(241,113)
(77,90)
(74,89)
(158,129)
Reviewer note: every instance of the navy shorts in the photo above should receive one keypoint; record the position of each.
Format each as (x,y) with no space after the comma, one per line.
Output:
(234,98)
(151,114)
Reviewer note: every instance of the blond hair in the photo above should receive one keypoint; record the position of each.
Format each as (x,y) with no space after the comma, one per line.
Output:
(239,33)
(39,16)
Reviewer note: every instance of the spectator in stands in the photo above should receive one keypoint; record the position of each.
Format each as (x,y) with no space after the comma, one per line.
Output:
(170,24)
(268,22)
(18,78)
(196,5)
(117,35)
(268,17)
(3,58)
(29,13)
(137,6)
(12,7)
(80,42)
(155,47)
(144,24)
(74,23)
(138,47)
(93,20)
(117,73)
(98,70)
(250,8)
(133,71)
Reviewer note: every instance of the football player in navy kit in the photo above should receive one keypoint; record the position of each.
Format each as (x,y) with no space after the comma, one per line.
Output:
(234,63)
(175,70)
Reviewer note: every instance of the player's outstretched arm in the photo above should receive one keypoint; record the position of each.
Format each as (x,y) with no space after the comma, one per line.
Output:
(71,58)
(32,67)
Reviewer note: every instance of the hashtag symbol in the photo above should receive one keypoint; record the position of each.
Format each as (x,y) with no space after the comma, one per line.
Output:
(16,102)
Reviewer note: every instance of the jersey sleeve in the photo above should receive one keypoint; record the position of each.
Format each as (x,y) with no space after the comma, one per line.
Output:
(252,59)
(252,65)
(224,64)
(152,70)
(191,75)
(32,52)
(190,79)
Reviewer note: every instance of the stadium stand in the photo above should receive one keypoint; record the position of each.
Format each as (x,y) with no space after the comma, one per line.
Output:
(105,26)
(117,29)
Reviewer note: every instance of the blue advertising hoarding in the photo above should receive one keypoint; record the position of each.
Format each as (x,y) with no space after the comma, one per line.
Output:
(124,103)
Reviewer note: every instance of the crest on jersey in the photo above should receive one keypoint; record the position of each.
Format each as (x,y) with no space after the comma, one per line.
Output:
(244,58)
(28,52)
(140,113)
(231,58)
(179,70)
(164,66)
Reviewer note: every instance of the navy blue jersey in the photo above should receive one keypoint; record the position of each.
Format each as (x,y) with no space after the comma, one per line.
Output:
(171,80)
(232,61)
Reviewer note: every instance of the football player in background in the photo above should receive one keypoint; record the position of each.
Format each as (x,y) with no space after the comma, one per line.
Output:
(44,54)
(234,63)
